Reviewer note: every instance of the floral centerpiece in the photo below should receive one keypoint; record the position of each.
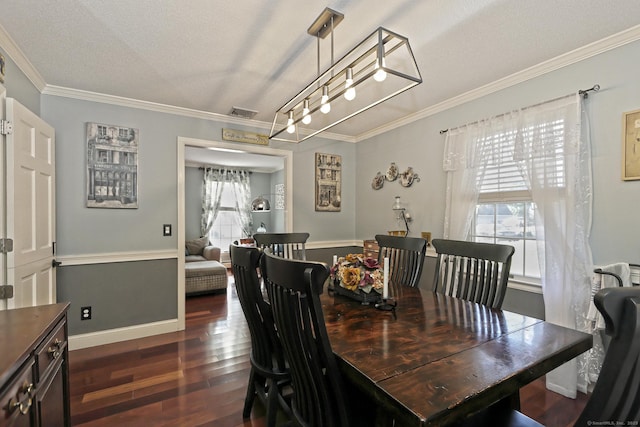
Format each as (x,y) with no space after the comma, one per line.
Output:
(362,278)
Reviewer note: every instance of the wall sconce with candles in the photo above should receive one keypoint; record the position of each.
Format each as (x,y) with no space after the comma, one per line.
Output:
(401,213)
(378,68)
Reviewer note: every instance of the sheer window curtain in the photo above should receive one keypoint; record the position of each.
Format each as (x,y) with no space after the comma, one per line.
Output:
(467,151)
(241,184)
(557,168)
(212,188)
(546,158)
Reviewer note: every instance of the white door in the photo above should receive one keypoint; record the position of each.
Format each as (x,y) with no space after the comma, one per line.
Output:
(30,207)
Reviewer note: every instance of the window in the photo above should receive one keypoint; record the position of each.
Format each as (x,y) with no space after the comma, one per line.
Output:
(510,223)
(226,228)
(505,210)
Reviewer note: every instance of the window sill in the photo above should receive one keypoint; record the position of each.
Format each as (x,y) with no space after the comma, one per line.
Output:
(522,284)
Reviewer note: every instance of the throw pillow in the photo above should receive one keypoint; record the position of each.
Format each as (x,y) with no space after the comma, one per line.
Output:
(196,246)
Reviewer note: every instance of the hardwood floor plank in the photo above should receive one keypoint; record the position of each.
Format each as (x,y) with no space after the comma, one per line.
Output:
(198,377)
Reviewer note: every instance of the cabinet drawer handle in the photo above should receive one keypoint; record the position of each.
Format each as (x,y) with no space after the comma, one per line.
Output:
(22,404)
(54,350)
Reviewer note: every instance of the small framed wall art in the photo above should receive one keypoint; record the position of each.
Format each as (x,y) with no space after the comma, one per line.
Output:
(631,145)
(112,166)
(328,182)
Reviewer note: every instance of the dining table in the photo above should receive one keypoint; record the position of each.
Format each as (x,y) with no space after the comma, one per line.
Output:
(435,359)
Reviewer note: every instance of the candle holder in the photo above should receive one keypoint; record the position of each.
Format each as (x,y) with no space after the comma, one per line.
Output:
(387,304)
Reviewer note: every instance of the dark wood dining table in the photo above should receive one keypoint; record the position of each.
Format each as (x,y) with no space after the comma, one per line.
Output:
(438,359)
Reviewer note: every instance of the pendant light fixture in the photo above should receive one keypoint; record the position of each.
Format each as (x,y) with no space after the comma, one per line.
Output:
(260,204)
(378,68)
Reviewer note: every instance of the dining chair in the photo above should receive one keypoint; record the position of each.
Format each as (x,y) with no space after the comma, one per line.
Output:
(615,397)
(406,257)
(269,373)
(285,245)
(319,395)
(473,271)
(614,270)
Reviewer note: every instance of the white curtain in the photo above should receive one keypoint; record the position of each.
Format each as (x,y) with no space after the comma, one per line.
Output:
(467,151)
(555,159)
(212,186)
(558,170)
(212,189)
(241,184)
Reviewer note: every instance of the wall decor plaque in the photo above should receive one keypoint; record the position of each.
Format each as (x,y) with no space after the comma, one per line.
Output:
(236,135)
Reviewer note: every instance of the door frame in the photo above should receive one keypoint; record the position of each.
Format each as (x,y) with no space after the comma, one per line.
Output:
(182,143)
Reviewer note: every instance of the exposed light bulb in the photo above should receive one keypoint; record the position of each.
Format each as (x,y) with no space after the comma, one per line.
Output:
(306,118)
(350,93)
(324,101)
(291,127)
(380,74)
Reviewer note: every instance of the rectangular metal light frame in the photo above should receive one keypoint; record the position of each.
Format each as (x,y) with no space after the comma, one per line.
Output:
(382,43)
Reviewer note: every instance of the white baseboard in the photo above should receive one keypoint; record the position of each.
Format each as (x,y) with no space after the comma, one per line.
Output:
(110,336)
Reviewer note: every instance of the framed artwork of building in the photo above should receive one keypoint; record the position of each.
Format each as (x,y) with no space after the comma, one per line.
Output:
(328,182)
(112,166)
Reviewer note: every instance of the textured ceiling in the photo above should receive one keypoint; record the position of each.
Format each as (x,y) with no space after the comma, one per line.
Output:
(211,55)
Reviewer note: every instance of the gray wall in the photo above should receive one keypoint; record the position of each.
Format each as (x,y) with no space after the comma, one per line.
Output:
(83,231)
(419,144)
(120,294)
(192,202)
(19,86)
(614,235)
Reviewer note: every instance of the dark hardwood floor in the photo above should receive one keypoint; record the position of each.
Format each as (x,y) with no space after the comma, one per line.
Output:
(198,377)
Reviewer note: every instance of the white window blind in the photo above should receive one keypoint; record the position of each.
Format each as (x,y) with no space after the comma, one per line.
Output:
(501,173)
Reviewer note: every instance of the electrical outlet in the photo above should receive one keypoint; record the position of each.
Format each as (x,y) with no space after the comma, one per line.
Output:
(85,313)
(166,229)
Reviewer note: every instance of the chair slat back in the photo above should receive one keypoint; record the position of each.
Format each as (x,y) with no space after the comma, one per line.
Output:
(406,257)
(269,372)
(473,271)
(266,352)
(294,287)
(284,245)
(616,395)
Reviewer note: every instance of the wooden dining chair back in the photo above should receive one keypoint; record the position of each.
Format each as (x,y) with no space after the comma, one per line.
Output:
(284,245)
(294,289)
(476,272)
(406,257)
(269,373)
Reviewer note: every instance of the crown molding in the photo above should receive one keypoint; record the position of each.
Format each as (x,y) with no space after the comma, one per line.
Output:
(85,95)
(609,43)
(17,56)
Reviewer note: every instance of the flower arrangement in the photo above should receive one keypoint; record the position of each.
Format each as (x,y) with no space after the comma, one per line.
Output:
(354,272)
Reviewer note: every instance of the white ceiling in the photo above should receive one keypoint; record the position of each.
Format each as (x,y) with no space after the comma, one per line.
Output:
(211,55)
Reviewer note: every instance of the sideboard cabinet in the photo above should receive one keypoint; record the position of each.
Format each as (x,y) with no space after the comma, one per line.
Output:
(34,367)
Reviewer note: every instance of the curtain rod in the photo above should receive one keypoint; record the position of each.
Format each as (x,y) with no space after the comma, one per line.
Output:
(220,170)
(584,93)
